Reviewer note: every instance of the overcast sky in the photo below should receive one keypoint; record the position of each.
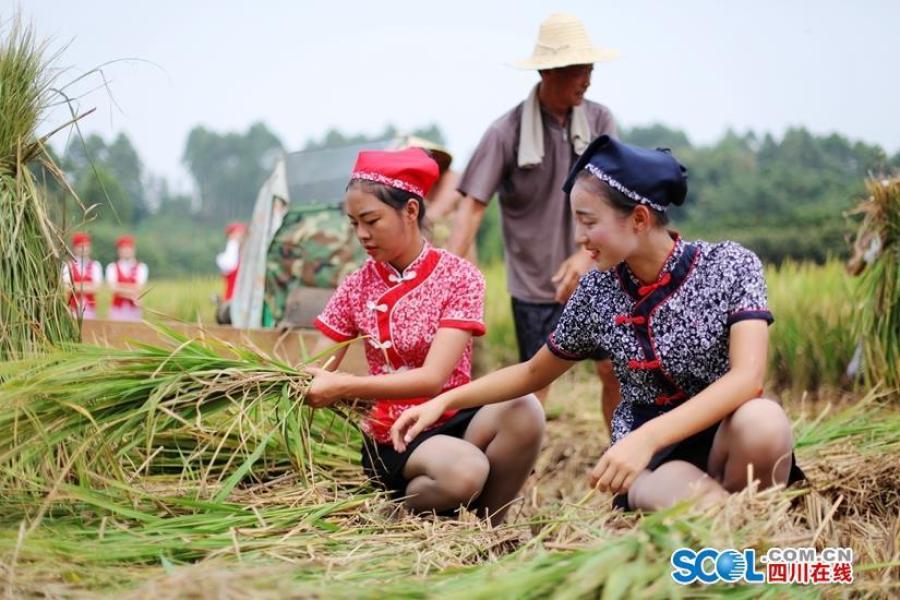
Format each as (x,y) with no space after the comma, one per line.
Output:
(303,67)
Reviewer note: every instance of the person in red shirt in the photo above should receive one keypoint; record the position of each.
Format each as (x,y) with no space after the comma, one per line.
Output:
(229,260)
(418,307)
(84,276)
(127,278)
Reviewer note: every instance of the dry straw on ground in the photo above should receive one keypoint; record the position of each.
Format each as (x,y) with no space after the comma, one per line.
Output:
(222,484)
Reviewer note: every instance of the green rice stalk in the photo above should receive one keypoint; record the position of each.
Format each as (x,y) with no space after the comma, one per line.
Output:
(202,410)
(33,312)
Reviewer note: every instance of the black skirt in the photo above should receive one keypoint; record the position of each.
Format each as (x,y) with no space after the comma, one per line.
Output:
(695,450)
(384,465)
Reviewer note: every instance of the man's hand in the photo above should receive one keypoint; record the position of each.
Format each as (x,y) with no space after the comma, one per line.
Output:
(622,463)
(570,271)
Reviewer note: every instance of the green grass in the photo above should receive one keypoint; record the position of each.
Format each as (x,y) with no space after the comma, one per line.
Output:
(500,339)
(188,300)
(811,340)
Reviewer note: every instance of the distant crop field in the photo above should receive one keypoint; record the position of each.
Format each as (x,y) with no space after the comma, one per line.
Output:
(811,339)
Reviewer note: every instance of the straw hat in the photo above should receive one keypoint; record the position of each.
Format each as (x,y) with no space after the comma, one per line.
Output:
(563,41)
(440,154)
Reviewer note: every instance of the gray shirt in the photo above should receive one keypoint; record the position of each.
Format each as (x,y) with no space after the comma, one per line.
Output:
(538,228)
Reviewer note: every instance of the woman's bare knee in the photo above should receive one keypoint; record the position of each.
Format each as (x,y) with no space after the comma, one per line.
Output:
(671,483)
(519,423)
(760,422)
(525,418)
(463,478)
(758,435)
(444,472)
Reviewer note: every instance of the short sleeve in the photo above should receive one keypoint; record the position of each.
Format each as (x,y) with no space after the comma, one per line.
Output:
(747,296)
(464,308)
(336,321)
(606,124)
(143,274)
(96,272)
(111,275)
(577,333)
(487,166)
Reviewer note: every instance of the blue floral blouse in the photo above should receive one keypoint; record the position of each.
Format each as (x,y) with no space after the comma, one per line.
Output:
(668,340)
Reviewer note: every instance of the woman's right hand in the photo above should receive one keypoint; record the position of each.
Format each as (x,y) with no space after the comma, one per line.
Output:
(415,420)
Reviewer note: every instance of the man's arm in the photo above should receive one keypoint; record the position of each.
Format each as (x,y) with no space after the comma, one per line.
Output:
(569,272)
(468,220)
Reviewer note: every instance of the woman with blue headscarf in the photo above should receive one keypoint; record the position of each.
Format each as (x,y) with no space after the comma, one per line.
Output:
(686,325)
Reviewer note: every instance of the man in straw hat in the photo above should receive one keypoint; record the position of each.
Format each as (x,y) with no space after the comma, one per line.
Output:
(525,156)
(442,202)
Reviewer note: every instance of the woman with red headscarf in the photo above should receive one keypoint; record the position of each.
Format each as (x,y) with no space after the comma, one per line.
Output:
(418,307)
(85,276)
(127,278)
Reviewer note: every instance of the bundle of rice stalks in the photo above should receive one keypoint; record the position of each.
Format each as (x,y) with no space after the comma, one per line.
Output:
(33,310)
(878,318)
(194,410)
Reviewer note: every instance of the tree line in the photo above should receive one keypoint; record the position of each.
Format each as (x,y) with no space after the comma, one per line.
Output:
(783,197)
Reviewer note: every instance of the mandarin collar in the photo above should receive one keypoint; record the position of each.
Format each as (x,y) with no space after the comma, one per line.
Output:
(668,265)
(410,271)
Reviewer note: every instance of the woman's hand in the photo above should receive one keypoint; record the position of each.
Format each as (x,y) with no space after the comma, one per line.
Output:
(623,462)
(326,388)
(415,420)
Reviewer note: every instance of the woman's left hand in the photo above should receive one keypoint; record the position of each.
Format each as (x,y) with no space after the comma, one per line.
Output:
(326,388)
(622,463)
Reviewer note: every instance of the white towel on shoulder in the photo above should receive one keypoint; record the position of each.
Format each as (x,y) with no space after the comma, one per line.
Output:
(531,131)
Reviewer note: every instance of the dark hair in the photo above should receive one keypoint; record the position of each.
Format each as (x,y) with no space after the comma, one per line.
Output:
(393,197)
(619,201)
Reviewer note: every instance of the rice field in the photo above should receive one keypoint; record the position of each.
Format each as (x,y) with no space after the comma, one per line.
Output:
(190,300)
(193,471)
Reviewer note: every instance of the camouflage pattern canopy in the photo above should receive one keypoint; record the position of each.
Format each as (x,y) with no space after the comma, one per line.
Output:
(314,248)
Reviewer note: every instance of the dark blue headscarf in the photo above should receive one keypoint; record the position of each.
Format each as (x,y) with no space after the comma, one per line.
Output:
(650,177)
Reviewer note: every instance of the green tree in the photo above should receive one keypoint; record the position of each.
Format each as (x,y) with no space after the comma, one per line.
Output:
(229,168)
(106,199)
(96,166)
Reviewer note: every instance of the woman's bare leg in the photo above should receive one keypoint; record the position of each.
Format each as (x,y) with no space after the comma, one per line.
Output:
(757,435)
(444,473)
(510,434)
(671,483)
